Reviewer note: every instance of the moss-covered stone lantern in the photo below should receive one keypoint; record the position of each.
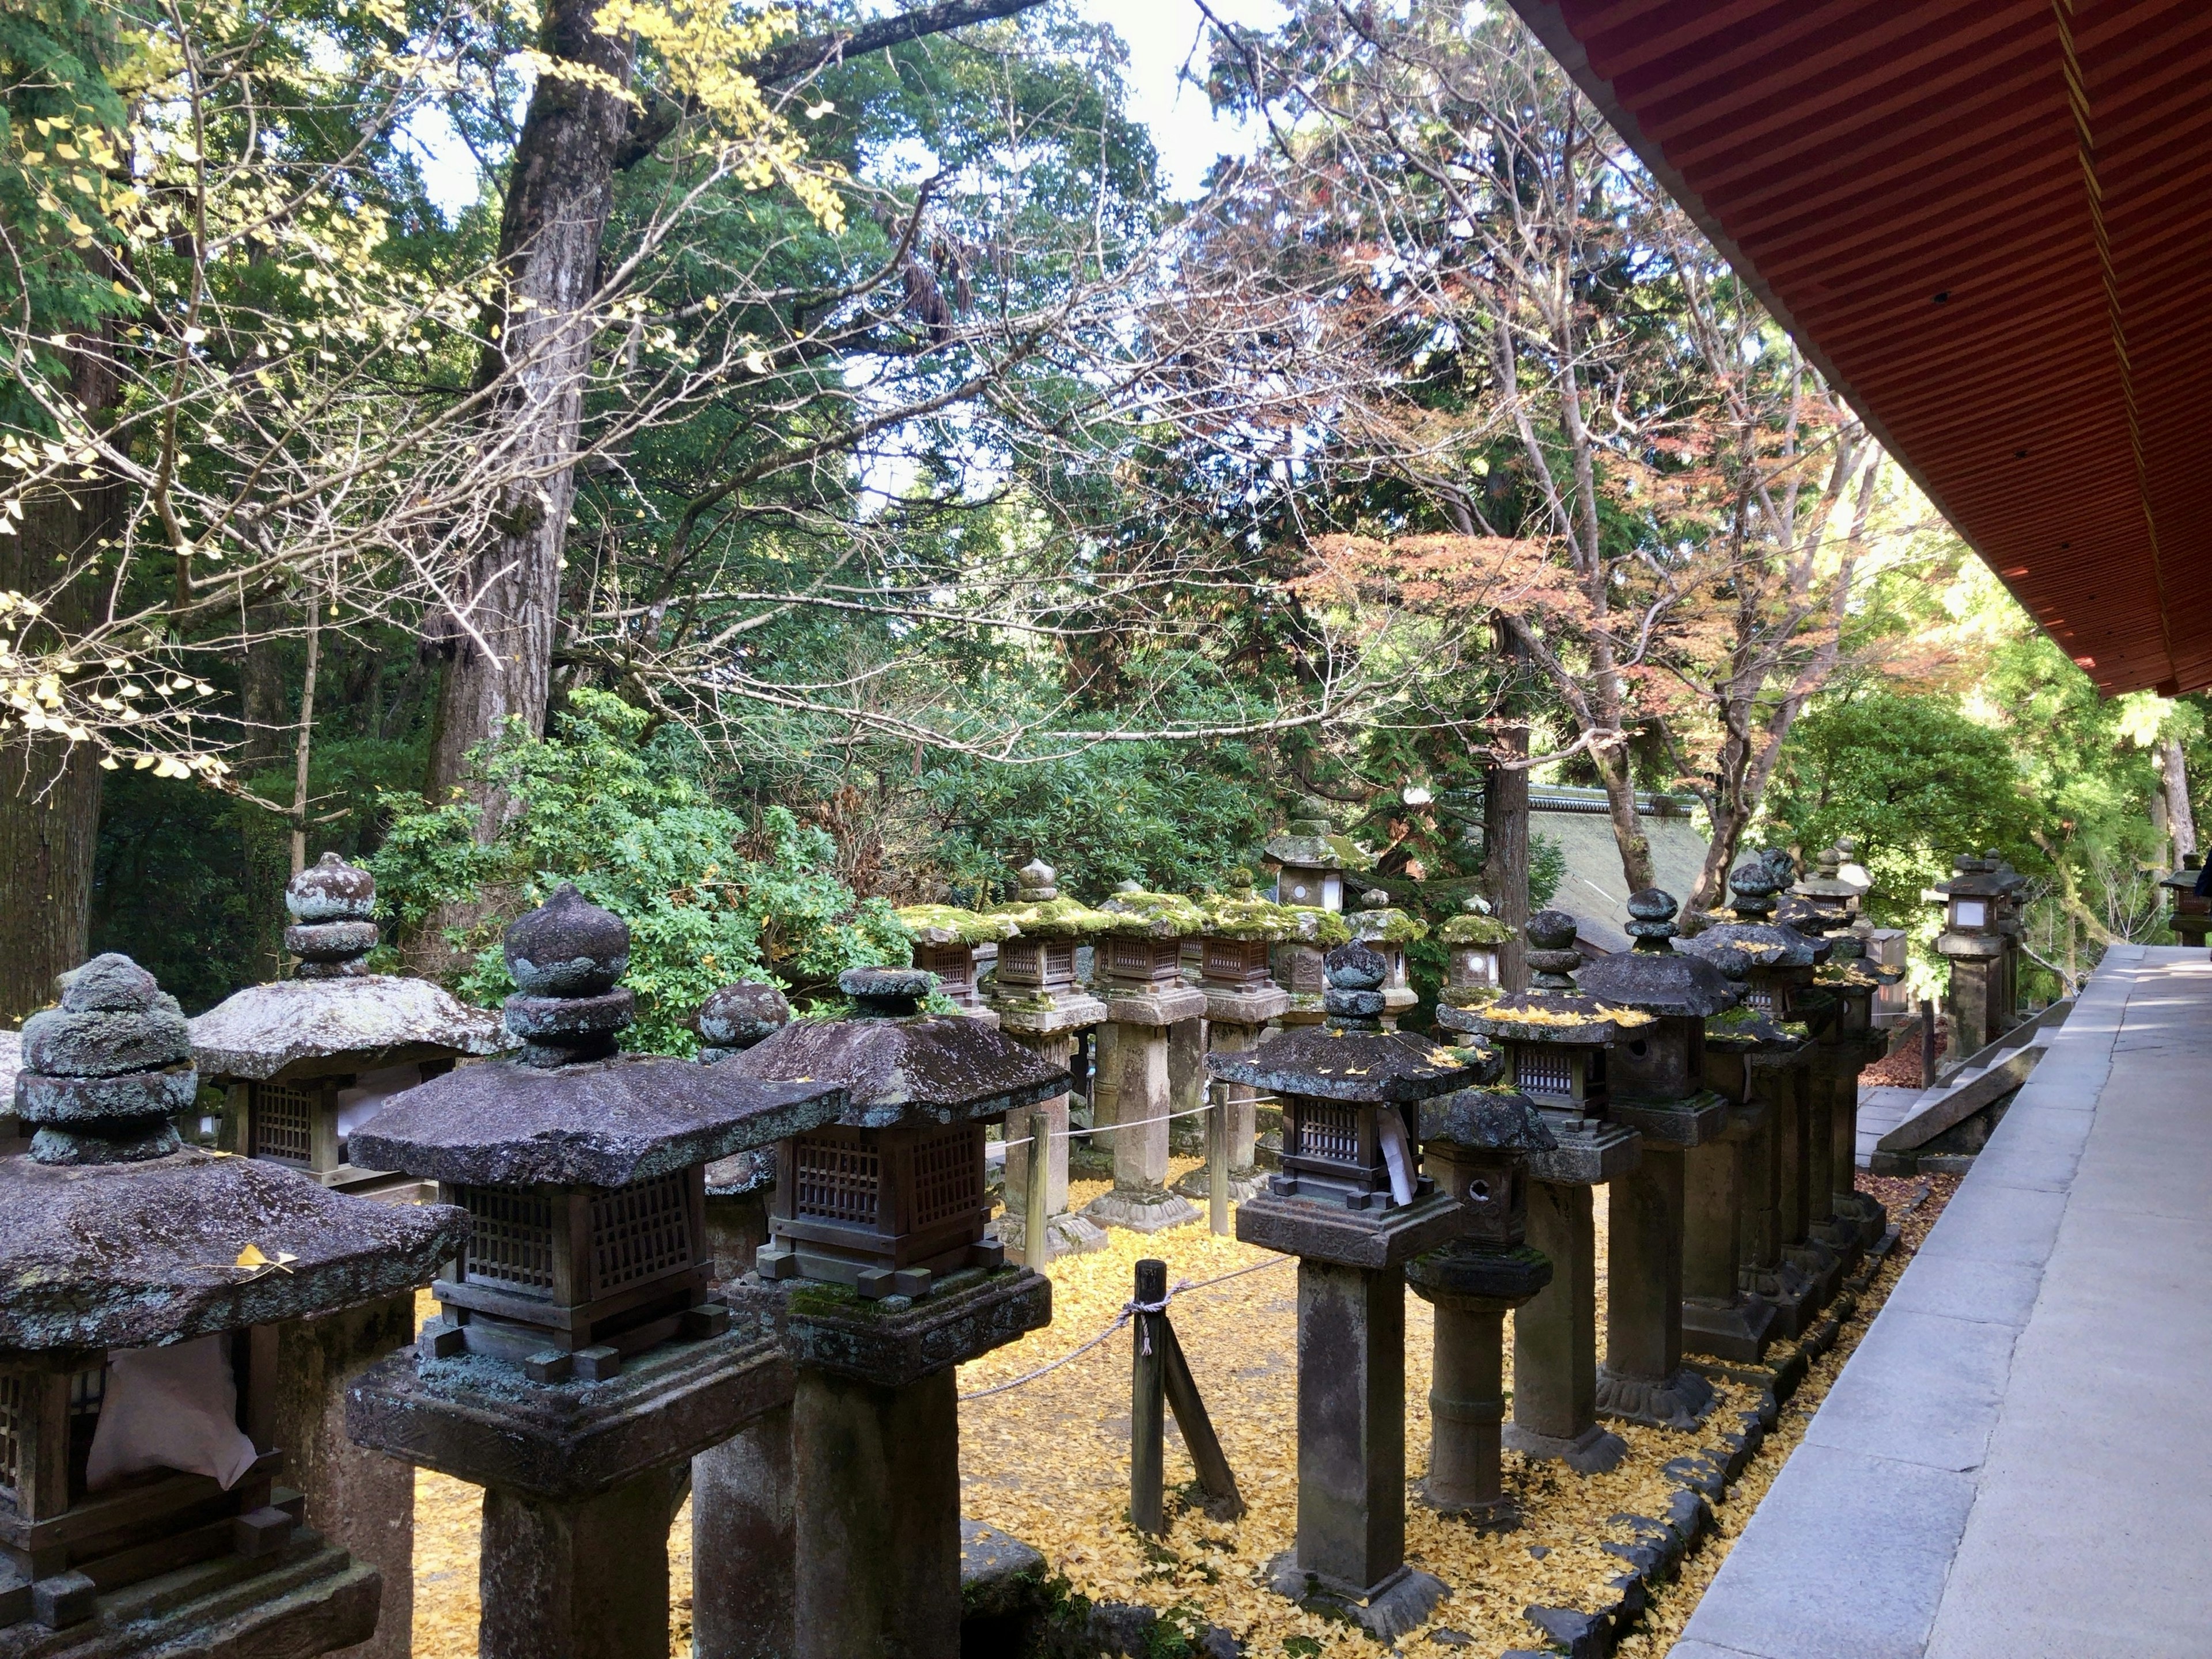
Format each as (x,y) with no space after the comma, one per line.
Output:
(1313,860)
(880,1282)
(1477,1143)
(1557,1045)
(1042,1006)
(155,1303)
(579,1363)
(2188,915)
(1659,1088)
(1353,1204)
(305,1060)
(1240,998)
(1474,940)
(945,941)
(1387,932)
(1140,969)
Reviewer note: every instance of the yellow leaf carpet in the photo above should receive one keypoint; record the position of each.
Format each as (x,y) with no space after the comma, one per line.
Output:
(1048,1462)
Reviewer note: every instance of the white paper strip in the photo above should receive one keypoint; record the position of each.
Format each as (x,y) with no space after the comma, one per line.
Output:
(1397,1152)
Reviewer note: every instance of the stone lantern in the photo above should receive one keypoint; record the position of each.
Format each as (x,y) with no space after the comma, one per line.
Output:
(1557,1044)
(730,1020)
(305,1060)
(1658,1089)
(1297,958)
(1314,859)
(157,1392)
(1041,1006)
(1473,972)
(1477,1143)
(1973,940)
(945,941)
(1240,998)
(2188,916)
(1140,968)
(579,1363)
(1388,933)
(1848,1044)
(880,1281)
(1351,1205)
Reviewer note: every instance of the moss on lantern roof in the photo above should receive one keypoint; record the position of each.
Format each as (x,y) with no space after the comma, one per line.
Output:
(1243,915)
(1387,927)
(1318,851)
(1154,915)
(1472,927)
(1055,918)
(1310,926)
(948,924)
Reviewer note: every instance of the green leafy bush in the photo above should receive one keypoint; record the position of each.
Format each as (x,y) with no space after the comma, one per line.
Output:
(625,814)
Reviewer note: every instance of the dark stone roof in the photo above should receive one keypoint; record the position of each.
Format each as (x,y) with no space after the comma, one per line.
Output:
(1762,943)
(139,1254)
(599,1123)
(1560,1017)
(1490,1119)
(928,1068)
(260,1030)
(1355,1066)
(1669,983)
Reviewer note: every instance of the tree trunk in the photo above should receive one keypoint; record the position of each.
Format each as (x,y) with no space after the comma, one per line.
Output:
(500,654)
(262,696)
(1614,771)
(1506,823)
(2180,819)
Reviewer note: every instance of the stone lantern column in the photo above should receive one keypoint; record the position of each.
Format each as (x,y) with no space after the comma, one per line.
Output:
(1041,1006)
(1240,1000)
(160,1388)
(578,1364)
(1388,933)
(1140,969)
(1659,1088)
(1352,1206)
(1477,1142)
(1558,1047)
(880,1283)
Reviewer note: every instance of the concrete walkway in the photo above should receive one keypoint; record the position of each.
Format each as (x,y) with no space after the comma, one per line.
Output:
(2017,1461)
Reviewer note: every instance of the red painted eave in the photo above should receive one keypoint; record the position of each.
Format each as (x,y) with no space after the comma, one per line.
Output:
(1857,159)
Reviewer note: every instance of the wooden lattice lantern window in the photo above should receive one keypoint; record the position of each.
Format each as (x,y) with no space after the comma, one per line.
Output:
(1313,859)
(582,1172)
(305,1060)
(138,1381)
(890,1198)
(945,938)
(1557,1044)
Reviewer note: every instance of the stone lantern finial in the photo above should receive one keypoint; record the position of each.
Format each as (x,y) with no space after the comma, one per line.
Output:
(1354,1000)
(330,903)
(103,1073)
(1313,817)
(1035,881)
(1375,899)
(1553,957)
(1651,919)
(1239,881)
(566,958)
(886,993)
(1752,886)
(736,1016)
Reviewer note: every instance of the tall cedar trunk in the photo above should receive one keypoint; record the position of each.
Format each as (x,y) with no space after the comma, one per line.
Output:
(1505,821)
(1615,772)
(558,197)
(262,695)
(2180,819)
(49,791)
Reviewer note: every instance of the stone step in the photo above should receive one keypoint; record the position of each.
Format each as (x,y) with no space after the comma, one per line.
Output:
(1949,1104)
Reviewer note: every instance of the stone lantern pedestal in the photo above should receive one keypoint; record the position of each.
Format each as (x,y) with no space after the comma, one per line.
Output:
(1351,1207)
(1042,1007)
(159,1393)
(1139,966)
(1735,1299)
(1557,1047)
(1659,1088)
(578,1364)
(879,1282)
(1477,1143)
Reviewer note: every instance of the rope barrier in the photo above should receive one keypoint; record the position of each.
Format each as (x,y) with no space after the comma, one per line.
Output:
(1181,1287)
(1071,1131)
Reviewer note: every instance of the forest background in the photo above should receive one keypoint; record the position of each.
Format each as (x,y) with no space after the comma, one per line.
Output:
(818,458)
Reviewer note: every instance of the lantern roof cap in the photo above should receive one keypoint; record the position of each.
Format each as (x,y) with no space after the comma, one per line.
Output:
(1761,944)
(2185,880)
(1488,1117)
(1381,924)
(1310,925)
(332,905)
(1140,915)
(948,924)
(257,1032)
(736,1016)
(1353,1065)
(925,1068)
(170,1233)
(103,1074)
(1310,842)
(1654,977)
(567,958)
(594,1123)
(1474,927)
(1243,914)
(1552,1017)
(1826,882)
(1041,913)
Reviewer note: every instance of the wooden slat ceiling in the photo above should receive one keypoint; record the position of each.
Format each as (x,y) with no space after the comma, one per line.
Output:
(1918,188)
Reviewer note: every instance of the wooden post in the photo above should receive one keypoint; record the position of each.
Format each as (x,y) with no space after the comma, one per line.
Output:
(1147,1397)
(1217,1158)
(1927,1043)
(1036,1233)
(1223,1501)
